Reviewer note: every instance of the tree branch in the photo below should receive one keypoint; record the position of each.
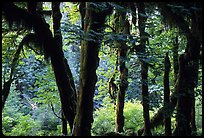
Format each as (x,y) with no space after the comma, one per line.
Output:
(13,14)
(53,110)
(175,19)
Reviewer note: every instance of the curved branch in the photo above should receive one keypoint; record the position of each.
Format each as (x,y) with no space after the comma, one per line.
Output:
(7,84)
(176,19)
(53,110)
(31,37)
(113,30)
(51,50)
(31,21)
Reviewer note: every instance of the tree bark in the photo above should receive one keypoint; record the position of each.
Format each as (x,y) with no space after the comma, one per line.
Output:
(182,116)
(7,84)
(94,22)
(64,125)
(188,74)
(197,32)
(175,58)
(193,119)
(188,65)
(144,68)
(56,14)
(167,116)
(158,118)
(124,28)
(5,92)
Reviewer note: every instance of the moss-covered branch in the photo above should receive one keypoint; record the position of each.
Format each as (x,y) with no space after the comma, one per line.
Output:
(51,51)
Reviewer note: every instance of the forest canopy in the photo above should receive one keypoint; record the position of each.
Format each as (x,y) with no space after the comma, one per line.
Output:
(102,69)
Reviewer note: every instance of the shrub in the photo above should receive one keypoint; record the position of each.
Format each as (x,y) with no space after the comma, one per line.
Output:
(25,126)
(133,112)
(104,118)
(104,121)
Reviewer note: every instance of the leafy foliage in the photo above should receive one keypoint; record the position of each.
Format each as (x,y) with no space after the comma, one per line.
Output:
(34,102)
(104,118)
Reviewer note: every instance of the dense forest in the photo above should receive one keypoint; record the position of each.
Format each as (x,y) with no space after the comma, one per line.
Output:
(102,69)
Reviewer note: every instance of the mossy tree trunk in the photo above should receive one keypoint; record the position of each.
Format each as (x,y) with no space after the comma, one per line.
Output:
(187,80)
(196,28)
(193,118)
(31,7)
(64,124)
(183,113)
(187,77)
(158,118)
(188,65)
(167,115)
(123,28)
(56,14)
(51,50)
(144,67)
(175,58)
(7,84)
(93,23)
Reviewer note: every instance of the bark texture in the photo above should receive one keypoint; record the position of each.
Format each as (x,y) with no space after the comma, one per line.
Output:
(188,65)
(93,23)
(175,58)
(167,115)
(69,109)
(7,84)
(187,77)
(144,67)
(123,27)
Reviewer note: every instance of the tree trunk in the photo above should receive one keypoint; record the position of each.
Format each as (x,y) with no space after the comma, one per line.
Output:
(94,21)
(188,74)
(167,116)
(51,50)
(144,68)
(182,116)
(56,15)
(124,28)
(58,39)
(193,119)
(175,59)
(5,92)
(158,118)
(7,84)
(64,125)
